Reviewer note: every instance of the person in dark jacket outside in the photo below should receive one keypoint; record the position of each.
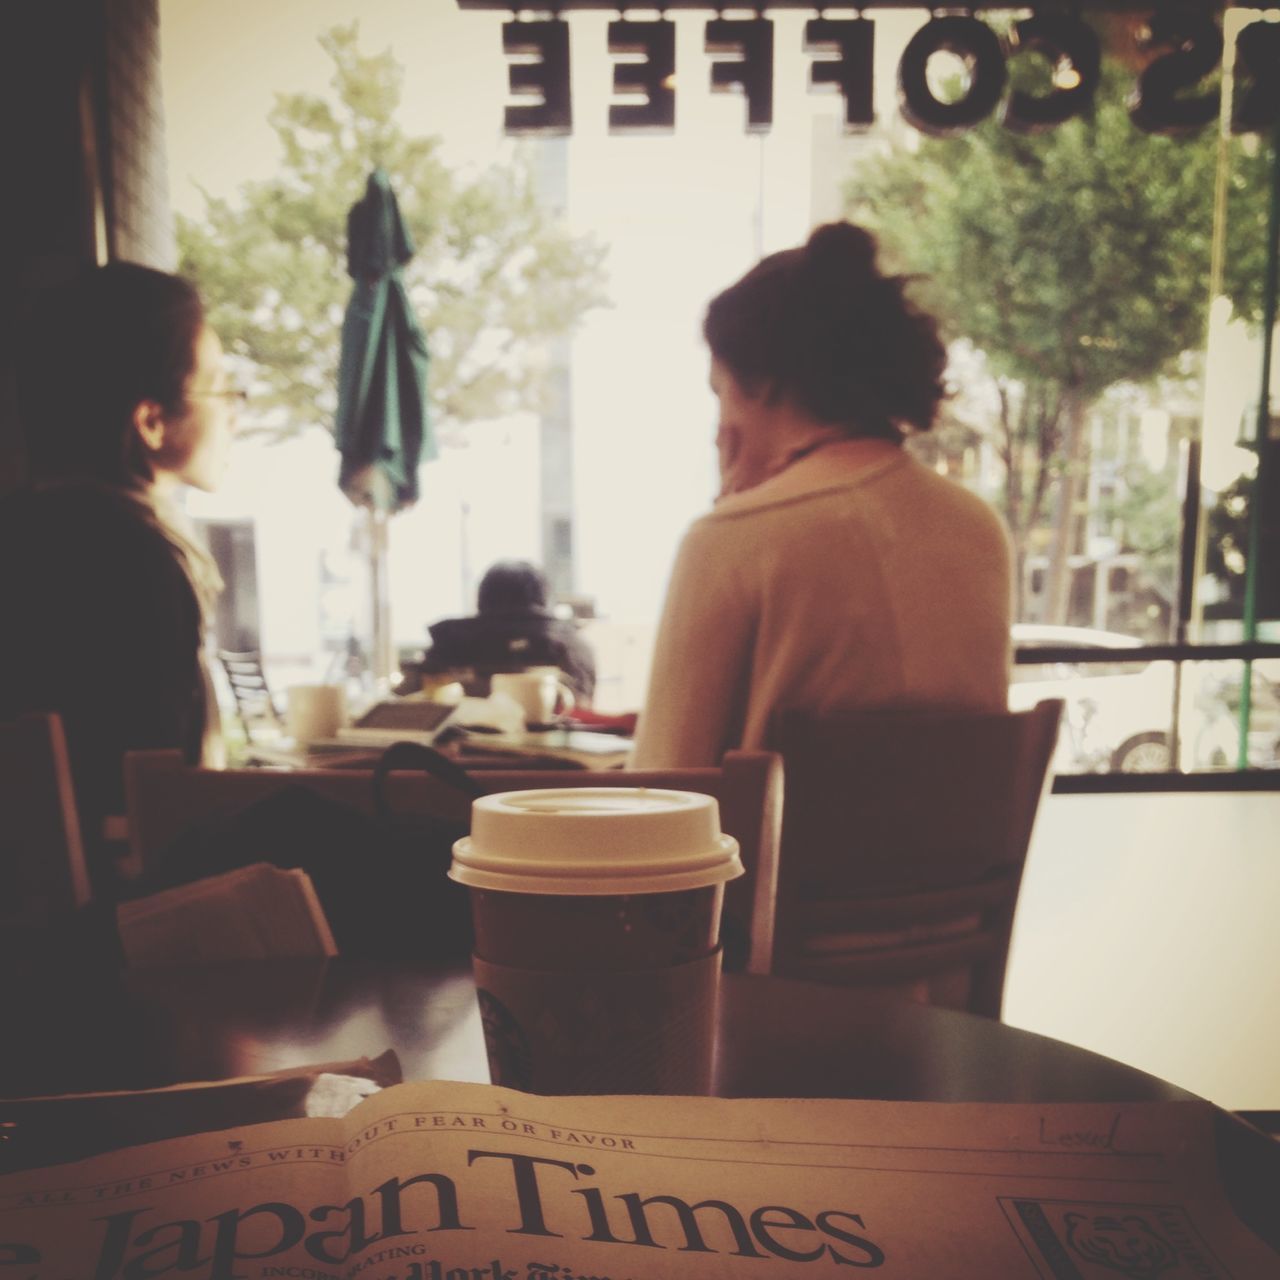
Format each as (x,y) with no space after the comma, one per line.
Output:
(513,629)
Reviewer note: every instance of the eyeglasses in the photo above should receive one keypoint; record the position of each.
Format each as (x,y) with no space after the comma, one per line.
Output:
(237,396)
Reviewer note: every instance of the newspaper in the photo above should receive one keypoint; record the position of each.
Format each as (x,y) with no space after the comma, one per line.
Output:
(53,1129)
(443,1181)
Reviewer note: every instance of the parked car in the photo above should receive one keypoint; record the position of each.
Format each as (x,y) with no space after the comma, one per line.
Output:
(1118,716)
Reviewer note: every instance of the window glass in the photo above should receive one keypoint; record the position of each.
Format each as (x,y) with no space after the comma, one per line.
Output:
(1100,281)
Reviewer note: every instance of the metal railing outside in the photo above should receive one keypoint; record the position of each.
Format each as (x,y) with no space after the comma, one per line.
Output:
(1160,716)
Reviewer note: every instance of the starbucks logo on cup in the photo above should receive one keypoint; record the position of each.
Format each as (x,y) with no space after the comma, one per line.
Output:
(510,1062)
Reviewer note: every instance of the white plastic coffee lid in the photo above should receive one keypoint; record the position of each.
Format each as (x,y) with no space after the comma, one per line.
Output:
(590,841)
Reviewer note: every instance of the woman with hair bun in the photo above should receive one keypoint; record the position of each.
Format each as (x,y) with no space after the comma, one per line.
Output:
(834,570)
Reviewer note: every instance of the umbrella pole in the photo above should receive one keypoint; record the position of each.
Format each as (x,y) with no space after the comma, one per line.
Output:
(377,514)
(380,602)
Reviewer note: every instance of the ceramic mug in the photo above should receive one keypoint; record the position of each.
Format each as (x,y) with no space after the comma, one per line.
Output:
(314,711)
(540,694)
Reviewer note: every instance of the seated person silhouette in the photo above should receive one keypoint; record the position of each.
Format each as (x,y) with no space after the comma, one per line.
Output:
(512,630)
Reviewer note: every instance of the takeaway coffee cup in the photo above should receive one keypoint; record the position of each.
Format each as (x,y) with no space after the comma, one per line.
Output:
(540,693)
(314,711)
(597,936)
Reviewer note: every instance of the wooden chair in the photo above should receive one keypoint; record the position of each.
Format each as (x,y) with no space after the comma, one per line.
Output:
(43,873)
(903,845)
(255,706)
(165,797)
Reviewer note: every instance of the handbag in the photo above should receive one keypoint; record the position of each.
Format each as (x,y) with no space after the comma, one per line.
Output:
(382,878)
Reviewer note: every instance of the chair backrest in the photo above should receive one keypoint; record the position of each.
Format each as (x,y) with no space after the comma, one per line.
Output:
(903,844)
(166,797)
(250,913)
(42,864)
(254,703)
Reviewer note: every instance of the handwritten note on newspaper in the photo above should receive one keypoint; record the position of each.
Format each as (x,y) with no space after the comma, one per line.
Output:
(443,1181)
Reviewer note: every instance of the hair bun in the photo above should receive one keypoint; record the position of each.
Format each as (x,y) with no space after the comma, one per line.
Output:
(842,250)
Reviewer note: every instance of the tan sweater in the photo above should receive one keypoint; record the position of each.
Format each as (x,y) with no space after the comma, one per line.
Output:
(855,578)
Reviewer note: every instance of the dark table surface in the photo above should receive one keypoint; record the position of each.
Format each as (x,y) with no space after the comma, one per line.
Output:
(777,1038)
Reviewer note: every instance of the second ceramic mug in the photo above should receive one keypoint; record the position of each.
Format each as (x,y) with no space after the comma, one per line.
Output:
(540,694)
(314,711)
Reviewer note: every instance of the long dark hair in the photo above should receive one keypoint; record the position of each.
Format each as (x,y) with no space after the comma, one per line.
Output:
(822,325)
(97,347)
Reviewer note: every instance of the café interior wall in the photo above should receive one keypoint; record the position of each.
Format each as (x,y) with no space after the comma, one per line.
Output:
(46,228)
(81,130)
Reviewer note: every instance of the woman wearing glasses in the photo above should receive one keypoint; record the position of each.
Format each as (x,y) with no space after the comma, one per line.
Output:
(125,399)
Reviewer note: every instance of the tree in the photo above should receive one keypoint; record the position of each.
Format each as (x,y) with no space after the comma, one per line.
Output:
(1074,259)
(496,275)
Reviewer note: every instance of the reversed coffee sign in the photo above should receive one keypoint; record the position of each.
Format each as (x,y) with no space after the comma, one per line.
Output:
(1176,92)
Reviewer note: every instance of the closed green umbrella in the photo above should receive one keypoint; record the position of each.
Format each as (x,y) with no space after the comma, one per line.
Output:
(382,429)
